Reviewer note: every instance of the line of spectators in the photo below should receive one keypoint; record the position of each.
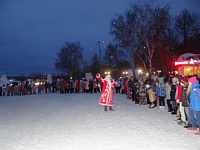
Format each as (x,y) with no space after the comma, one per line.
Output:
(61,86)
(180,95)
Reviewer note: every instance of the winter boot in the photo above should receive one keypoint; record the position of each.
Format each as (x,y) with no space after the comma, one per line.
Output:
(198,133)
(155,105)
(182,122)
(192,129)
(152,105)
(136,101)
(170,110)
(188,125)
(144,102)
(110,108)
(141,101)
(105,108)
(174,111)
(169,106)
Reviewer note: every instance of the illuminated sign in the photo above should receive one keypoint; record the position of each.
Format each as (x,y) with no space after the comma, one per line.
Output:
(181,63)
(192,62)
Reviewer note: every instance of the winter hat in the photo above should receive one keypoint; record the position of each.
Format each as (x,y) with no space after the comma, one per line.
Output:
(174,79)
(108,76)
(147,86)
(184,80)
(161,78)
(193,79)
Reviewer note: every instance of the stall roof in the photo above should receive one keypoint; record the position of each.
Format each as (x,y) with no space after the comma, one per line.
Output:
(187,56)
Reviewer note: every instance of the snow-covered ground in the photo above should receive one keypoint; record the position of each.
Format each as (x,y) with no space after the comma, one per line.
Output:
(77,122)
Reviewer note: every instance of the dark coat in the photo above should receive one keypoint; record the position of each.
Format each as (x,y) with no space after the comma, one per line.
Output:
(173,92)
(184,97)
(131,85)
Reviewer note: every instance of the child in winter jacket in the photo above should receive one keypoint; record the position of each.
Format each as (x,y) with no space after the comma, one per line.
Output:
(4,90)
(8,90)
(142,94)
(95,86)
(152,96)
(161,93)
(128,91)
(183,101)
(194,104)
(173,92)
(156,88)
(167,98)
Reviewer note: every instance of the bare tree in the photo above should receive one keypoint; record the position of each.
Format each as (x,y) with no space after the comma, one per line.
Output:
(113,55)
(113,58)
(69,58)
(141,30)
(187,25)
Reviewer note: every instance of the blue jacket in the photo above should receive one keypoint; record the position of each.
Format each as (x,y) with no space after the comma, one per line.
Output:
(160,91)
(118,83)
(194,99)
(4,89)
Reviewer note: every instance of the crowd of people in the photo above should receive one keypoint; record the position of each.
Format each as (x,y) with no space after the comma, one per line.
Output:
(180,96)
(30,87)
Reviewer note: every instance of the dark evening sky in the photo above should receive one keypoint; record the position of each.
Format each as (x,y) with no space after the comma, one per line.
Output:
(33,31)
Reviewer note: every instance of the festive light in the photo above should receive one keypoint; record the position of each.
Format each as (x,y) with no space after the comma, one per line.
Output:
(188,69)
(37,83)
(139,71)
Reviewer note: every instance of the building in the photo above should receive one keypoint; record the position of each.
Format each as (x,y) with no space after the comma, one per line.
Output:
(188,64)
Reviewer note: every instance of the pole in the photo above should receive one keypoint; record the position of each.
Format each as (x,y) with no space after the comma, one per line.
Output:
(100,57)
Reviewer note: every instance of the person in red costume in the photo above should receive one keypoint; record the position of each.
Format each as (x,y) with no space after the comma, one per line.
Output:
(107,91)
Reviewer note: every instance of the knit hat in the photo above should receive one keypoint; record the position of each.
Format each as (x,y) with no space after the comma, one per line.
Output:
(147,86)
(174,79)
(161,78)
(184,80)
(193,79)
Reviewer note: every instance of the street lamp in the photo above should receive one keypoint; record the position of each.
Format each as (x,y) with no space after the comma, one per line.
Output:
(125,72)
(139,71)
(107,72)
(159,71)
(98,43)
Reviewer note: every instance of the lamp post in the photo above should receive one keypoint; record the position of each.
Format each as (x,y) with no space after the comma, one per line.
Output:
(98,43)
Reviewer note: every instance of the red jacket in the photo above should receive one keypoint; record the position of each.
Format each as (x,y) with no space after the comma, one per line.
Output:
(179,92)
(65,84)
(94,84)
(127,88)
(78,85)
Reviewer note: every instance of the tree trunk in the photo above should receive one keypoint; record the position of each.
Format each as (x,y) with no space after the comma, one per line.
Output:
(150,68)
